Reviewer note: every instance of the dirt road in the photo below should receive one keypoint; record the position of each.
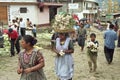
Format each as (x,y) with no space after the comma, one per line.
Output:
(8,65)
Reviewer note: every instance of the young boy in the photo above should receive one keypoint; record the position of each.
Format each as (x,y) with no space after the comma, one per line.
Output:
(92,51)
(34,30)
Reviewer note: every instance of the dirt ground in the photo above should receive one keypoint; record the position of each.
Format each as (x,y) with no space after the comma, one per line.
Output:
(8,65)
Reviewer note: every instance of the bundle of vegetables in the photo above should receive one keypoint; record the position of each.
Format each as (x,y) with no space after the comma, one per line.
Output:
(43,39)
(63,22)
(6,43)
(93,47)
(44,36)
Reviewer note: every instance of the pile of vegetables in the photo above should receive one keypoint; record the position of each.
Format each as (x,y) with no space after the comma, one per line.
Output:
(6,49)
(44,39)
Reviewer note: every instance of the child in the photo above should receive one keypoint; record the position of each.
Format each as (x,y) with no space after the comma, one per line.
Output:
(92,51)
(34,30)
(31,61)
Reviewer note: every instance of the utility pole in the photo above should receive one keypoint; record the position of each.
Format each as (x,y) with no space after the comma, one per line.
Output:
(110,6)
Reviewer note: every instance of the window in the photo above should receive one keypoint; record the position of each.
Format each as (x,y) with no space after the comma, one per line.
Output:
(41,9)
(23,10)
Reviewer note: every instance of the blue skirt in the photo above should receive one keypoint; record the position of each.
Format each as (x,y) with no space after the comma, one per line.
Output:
(81,41)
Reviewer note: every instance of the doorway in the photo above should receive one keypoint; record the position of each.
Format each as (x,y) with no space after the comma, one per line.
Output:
(3,14)
(52,12)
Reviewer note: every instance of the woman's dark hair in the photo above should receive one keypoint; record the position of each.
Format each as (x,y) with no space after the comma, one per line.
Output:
(93,34)
(65,34)
(30,39)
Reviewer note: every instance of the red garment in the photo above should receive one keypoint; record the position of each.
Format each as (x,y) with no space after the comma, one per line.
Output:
(13,35)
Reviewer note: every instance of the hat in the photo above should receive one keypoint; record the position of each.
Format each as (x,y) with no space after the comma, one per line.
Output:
(10,30)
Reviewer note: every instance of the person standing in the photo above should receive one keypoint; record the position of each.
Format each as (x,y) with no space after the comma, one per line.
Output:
(109,43)
(18,23)
(13,36)
(22,27)
(14,25)
(34,30)
(31,60)
(28,23)
(82,35)
(64,61)
(92,51)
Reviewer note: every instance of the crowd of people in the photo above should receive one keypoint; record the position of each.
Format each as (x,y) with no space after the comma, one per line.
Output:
(64,64)
(20,26)
(31,60)
(16,30)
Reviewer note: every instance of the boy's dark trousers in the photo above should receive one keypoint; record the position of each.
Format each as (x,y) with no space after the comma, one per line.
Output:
(22,31)
(34,34)
(108,54)
(13,44)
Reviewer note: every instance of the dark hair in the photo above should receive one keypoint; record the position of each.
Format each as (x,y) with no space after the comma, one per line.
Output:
(10,30)
(111,26)
(34,25)
(92,34)
(21,19)
(30,39)
(13,20)
(109,22)
(28,19)
(65,34)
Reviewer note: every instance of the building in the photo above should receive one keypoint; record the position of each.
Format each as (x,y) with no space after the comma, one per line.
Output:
(87,9)
(39,12)
(90,9)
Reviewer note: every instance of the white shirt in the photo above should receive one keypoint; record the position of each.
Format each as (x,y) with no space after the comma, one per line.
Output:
(13,26)
(22,24)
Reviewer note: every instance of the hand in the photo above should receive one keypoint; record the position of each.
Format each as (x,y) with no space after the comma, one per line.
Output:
(58,54)
(28,70)
(19,71)
(65,51)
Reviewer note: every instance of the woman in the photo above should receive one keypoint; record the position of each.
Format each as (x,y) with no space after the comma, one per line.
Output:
(82,35)
(118,38)
(64,62)
(31,60)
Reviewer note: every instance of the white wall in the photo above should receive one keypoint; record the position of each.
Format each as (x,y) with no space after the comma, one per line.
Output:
(44,16)
(32,13)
